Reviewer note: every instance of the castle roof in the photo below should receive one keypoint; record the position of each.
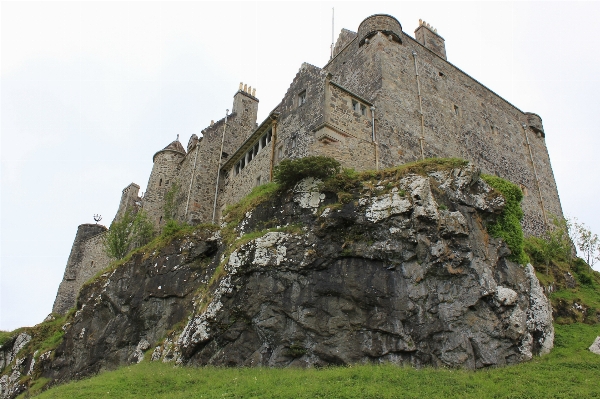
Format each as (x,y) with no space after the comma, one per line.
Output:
(174,146)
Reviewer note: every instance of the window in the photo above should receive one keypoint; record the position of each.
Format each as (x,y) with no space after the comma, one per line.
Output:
(237,168)
(280,152)
(160,183)
(358,107)
(301,98)
(263,141)
(242,163)
(294,141)
(456,110)
(256,149)
(250,155)
(257,183)
(269,135)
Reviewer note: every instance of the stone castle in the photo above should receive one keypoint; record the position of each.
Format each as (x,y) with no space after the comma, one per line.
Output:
(383,99)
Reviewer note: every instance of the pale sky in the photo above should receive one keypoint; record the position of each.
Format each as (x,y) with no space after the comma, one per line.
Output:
(90,91)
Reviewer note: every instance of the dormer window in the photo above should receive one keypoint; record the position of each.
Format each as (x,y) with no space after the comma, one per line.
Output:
(301,98)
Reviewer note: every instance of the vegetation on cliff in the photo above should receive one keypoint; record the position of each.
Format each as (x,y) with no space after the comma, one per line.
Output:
(573,286)
(508,225)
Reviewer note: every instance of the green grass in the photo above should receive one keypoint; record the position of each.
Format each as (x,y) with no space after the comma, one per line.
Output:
(570,371)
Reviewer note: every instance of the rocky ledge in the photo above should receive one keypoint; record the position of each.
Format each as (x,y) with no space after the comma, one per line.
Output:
(401,271)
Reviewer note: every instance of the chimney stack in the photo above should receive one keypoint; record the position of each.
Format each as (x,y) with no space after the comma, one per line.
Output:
(427,35)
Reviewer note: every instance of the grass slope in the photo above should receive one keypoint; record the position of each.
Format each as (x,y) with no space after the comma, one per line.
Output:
(570,371)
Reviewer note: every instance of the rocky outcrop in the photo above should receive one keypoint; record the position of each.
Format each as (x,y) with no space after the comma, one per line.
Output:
(595,347)
(404,276)
(403,271)
(12,365)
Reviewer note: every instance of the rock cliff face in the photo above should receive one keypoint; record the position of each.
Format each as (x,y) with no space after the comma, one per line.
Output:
(403,272)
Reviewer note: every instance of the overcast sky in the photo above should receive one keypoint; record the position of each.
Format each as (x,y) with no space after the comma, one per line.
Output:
(90,91)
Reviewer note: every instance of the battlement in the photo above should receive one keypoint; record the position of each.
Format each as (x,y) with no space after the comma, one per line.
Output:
(383,23)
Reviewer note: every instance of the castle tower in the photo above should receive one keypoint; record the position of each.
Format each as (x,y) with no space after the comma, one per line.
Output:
(130,201)
(162,179)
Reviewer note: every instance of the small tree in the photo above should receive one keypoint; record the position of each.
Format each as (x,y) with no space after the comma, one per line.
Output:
(118,238)
(132,231)
(170,205)
(142,230)
(587,242)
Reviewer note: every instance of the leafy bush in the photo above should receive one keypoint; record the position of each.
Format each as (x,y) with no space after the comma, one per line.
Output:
(289,172)
(585,274)
(508,225)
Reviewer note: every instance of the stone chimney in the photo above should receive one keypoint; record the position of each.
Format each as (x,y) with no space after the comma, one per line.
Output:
(427,35)
(245,101)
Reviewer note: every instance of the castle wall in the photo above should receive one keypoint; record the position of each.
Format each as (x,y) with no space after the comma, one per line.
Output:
(347,131)
(236,186)
(86,259)
(295,133)
(240,126)
(462,118)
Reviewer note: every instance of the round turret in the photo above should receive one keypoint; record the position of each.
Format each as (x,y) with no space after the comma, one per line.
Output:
(162,177)
(534,121)
(383,23)
(175,147)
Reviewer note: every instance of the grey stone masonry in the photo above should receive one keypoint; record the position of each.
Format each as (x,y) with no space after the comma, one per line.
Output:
(130,201)
(86,259)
